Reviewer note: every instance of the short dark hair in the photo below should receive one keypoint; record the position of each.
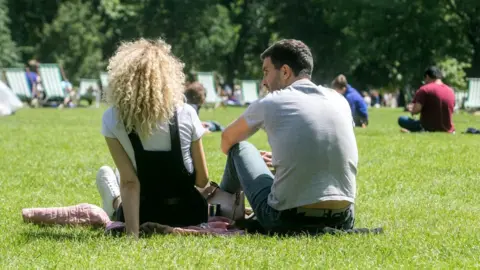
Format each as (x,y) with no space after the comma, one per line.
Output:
(195,93)
(433,72)
(293,53)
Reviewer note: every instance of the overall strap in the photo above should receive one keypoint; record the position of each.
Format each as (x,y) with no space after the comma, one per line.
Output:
(176,146)
(136,142)
(174,136)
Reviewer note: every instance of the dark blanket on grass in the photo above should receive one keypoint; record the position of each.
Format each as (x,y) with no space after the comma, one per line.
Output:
(91,215)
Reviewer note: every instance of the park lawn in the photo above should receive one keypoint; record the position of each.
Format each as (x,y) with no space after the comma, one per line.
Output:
(421,188)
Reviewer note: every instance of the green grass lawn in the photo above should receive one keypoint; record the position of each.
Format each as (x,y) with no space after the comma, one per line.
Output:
(422,188)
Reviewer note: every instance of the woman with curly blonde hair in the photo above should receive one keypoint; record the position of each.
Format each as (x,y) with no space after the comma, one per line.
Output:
(154,139)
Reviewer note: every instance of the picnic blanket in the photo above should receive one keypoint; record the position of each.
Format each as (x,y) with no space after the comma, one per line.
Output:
(85,214)
(214,226)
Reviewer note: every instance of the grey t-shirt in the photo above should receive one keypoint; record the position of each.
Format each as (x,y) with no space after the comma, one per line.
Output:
(314,150)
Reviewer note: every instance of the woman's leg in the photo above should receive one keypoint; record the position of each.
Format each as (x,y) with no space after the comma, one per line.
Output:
(109,189)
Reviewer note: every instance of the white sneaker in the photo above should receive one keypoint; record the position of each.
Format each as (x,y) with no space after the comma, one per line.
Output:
(108,188)
(117,174)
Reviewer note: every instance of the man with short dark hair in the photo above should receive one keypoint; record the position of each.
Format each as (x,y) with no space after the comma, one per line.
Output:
(314,151)
(435,102)
(355,100)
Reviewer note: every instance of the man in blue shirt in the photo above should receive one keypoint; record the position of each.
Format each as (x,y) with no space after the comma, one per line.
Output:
(355,100)
(32,77)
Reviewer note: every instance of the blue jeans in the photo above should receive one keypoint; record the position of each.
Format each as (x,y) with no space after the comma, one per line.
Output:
(410,124)
(246,170)
(360,120)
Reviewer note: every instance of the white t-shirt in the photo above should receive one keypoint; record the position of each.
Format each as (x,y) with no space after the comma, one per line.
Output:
(189,126)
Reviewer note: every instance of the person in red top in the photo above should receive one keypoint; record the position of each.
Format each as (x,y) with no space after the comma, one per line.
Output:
(435,102)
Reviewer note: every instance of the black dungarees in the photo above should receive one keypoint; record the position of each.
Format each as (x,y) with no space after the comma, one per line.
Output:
(167,192)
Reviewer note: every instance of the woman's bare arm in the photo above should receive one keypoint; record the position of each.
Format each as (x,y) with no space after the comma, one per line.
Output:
(129,186)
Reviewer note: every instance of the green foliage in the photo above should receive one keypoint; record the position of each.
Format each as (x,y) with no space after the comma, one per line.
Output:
(454,73)
(376,43)
(218,37)
(422,188)
(8,50)
(28,18)
(74,41)
(464,16)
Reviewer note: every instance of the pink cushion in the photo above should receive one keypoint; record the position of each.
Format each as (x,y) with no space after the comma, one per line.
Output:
(80,214)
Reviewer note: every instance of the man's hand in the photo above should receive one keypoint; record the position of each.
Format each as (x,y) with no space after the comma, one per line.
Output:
(410,107)
(414,108)
(206,126)
(267,158)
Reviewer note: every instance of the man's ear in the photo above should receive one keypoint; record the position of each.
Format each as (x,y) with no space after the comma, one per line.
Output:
(285,72)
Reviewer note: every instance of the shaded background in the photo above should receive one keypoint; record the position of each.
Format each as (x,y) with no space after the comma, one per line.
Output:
(378,44)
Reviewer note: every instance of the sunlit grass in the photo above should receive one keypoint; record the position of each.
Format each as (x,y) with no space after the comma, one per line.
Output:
(422,188)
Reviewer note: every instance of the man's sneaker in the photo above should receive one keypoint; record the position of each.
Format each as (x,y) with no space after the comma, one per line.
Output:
(108,188)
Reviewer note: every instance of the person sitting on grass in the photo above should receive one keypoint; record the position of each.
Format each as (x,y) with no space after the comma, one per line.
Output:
(435,102)
(34,83)
(195,94)
(314,150)
(357,103)
(70,94)
(154,139)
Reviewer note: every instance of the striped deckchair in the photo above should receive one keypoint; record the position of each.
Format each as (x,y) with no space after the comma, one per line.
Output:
(51,79)
(89,90)
(249,91)
(17,80)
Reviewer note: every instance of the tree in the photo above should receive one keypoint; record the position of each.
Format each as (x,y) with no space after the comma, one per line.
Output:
(468,20)
(252,23)
(396,40)
(210,35)
(8,52)
(121,20)
(73,39)
(454,72)
(28,17)
(376,43)
(323,26)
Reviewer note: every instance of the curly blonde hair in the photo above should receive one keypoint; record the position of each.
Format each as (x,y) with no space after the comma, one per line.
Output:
(146,84)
